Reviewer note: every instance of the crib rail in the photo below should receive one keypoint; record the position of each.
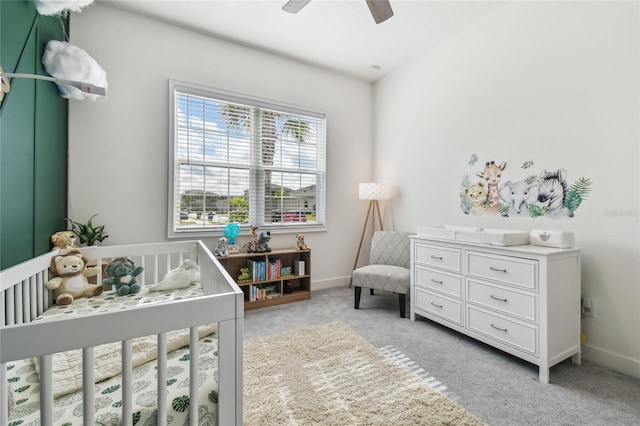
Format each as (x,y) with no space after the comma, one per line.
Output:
(24,296)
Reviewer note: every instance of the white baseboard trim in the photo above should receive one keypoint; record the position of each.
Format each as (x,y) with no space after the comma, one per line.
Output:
(329,283)
(621,363)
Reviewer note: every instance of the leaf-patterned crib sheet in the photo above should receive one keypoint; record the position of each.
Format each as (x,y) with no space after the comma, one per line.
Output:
(24,381)
(109,301)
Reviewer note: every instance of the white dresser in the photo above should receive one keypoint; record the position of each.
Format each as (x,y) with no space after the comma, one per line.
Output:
(524,300)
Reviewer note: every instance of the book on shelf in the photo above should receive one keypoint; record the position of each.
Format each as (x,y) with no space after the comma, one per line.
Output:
(274,268)
(298,267)
(257,269)
(263,292)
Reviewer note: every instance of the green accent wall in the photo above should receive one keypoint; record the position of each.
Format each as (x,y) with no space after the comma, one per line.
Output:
(33,137)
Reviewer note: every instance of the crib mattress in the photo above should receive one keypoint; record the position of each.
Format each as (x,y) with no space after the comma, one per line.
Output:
(109,301)
(23,375)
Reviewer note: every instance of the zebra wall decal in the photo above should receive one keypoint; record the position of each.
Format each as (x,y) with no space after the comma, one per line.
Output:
(553,193)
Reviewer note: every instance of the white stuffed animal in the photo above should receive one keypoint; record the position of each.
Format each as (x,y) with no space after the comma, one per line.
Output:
(187,274)
(222,247)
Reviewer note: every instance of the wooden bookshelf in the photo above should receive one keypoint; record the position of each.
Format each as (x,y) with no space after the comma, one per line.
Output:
(266,285)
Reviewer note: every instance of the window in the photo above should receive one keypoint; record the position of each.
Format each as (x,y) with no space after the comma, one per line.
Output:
(244,160)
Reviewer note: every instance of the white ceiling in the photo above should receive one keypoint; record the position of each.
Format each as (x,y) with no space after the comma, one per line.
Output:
(339,35)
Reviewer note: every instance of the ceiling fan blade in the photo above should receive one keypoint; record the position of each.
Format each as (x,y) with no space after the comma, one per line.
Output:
(294,6)
(380,10)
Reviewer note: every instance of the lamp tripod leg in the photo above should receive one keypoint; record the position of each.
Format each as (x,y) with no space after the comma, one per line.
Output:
(364,228)
(377,207)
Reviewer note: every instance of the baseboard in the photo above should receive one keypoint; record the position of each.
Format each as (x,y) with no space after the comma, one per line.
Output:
(621,363)
(329,283)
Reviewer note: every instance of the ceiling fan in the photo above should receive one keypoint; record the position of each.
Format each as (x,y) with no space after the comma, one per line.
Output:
(380,9)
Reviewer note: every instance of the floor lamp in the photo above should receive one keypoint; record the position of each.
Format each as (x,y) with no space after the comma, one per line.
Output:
(373,192)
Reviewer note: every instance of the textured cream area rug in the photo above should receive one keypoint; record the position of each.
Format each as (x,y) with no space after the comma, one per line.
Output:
(329,375)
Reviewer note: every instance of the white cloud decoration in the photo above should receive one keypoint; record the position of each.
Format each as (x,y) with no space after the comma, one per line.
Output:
(66,61)
(57,7)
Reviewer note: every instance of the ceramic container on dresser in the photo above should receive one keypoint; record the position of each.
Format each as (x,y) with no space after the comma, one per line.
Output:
(524,299)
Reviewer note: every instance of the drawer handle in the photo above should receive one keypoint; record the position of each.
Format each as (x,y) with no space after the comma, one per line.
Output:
(498,328)
(436,257)
(498,298)
(436,305)
(436,281)
(493,268)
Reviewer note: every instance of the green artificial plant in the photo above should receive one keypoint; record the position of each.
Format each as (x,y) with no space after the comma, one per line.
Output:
(89,234)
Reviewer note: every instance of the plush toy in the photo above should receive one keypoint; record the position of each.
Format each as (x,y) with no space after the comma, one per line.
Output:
(263,242)
(221,249)
(181,277)
(64,240)
(252,245)
(122,274)
(300,244)
(70,278)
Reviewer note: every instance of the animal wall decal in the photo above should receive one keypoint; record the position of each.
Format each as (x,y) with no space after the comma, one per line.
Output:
(492,191)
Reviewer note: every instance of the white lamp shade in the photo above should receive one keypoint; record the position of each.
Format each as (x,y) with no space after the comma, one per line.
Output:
(375,191)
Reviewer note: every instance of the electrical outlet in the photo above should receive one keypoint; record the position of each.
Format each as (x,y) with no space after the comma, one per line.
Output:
(588,307)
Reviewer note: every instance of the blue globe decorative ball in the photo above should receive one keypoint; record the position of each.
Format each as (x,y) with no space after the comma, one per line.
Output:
(231,231)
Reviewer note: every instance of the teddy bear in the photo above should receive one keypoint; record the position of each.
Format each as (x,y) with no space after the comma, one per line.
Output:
(263,242)
(70,273)
(122,274)
(300,244)
(222,248)
(64,240)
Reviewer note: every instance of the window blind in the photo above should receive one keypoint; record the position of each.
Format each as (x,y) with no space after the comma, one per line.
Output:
(245,160)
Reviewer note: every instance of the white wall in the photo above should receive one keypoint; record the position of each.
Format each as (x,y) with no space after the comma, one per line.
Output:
(118,147)
(551,82)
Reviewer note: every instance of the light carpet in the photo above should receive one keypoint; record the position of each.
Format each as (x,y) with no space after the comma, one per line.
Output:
(329,375)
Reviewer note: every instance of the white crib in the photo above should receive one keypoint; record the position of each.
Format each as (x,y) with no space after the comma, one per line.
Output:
(24,297)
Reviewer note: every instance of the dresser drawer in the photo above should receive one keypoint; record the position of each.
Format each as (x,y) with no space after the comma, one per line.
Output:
(440,281)
(440,257)
(448,309)
(513,302)
(505,269)
(511,332)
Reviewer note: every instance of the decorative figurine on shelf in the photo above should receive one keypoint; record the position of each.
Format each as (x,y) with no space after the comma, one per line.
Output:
(263,242)
(252,245)
(64,240)
(244,275)
(122,274)
(221,249)
(285,271)
(231,231)
(300,244)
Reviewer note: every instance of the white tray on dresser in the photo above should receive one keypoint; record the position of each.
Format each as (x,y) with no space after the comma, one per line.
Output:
(524,299)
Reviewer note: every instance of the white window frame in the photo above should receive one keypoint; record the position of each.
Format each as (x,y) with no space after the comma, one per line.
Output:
(256,207)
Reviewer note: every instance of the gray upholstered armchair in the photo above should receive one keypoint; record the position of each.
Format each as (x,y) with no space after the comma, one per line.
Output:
(388,267)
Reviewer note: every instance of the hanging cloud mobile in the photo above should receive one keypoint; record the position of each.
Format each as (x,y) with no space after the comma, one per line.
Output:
(57,7)
(78,75)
